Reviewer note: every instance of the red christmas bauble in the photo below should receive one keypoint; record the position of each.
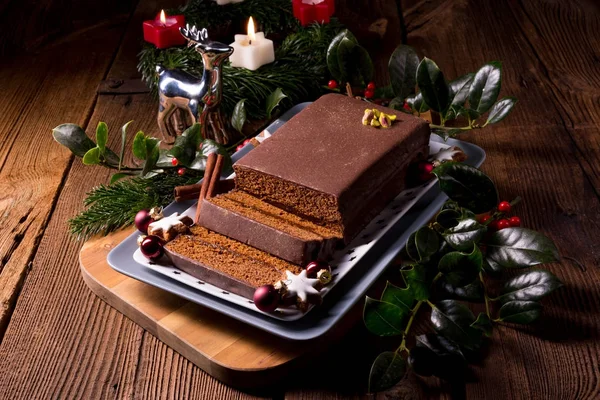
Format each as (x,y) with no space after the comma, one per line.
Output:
(332,84)
(266,298)
(142,220)
(425,168)
(152,247)
(313,268)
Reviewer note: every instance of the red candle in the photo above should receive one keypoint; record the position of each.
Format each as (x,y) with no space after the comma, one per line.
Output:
(309,11)
(163,31)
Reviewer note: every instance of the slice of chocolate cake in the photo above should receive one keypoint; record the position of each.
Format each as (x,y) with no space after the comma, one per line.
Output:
(325,166)
(249,220)
(226,263)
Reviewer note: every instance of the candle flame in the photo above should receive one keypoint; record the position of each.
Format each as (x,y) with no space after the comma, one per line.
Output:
(251,33)
(163,17)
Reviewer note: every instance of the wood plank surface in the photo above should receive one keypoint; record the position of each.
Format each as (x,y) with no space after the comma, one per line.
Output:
(63,342)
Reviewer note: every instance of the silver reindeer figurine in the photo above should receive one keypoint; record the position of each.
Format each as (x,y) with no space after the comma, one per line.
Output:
(198,97)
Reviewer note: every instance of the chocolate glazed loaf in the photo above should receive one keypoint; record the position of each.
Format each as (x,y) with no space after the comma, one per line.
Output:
(325,166)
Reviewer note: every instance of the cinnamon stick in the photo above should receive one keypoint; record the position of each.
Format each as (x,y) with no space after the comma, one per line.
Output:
(208,172)
(216,177)
(191,192)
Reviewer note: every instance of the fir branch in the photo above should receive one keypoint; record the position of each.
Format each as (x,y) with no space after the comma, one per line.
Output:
(110,208)
(299,70)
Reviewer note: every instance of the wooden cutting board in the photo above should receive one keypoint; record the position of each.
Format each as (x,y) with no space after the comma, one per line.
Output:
(227,349)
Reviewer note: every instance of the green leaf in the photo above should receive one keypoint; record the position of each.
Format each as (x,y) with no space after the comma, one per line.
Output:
(401,297)
(118,176)
(459,89)
(387,370)
(433,85)
(472,292)
(364,65)
(238,117)
(139,145)
(530,286)
(74,138)
(452,320)
(185,146)
(346,60)
(519,248)
(403,70)
(101,137)
(416,103)
(520,312)
(210,146)
(152,155)
(437,356)
(485,87)
(123,140)
(273,101)
(484,324)
(468,186)
(415,278)
(448,219)
(501,109)
(427,242)
(383,319)
(333,63)
(164,159)
(465,234)
(459,268)
(92,157)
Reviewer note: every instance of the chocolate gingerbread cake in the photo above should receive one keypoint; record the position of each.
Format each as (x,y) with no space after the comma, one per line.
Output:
(325,166)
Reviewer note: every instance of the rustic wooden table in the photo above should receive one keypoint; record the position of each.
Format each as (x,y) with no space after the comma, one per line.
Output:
(58,340)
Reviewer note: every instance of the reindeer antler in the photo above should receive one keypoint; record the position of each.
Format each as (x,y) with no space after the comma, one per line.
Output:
(194,34)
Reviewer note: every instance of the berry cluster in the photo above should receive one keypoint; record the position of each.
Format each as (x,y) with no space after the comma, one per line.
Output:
(498,220)
(369,92)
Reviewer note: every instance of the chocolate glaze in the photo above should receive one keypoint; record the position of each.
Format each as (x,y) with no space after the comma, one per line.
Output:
(263,237)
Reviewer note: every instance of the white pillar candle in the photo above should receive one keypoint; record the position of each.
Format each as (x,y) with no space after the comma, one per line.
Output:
(252,50)
(223,2)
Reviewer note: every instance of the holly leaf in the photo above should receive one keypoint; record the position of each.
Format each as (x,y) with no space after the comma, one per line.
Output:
(152,155)
(485,87)
(444,357)
(401,297)
(118,176)
(473,292)
(459,89)
(273,100)
(520,312)
(185,146)
(123,140)
(448,218)
(519,248)
(333,63)
(501,109)
(101,136)
(238,117)
(459,268)
(467,186)
(383,319)
(73,137)
(452,320)
(417,103)
(422,244)
(433,85)
(387,370)
(415,278)
(139,145)
(529,286)
(92,156)
(484,324)
(346,60)
(403,69)
(465,234)
(365,69)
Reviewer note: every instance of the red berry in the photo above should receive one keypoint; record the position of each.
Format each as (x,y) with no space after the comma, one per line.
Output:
(313,268)
(245,142)
(407,106)
(484,218)
(371,86)
(142,220)
(266,298)
(241,146)
(503,224)
(181,171)
(425,169)
(514,221)
(504,206)
(332,84)
(152,247)
(174,161)
(369,93)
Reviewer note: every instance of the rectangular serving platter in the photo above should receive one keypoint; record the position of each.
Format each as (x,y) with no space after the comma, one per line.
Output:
(356,267)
